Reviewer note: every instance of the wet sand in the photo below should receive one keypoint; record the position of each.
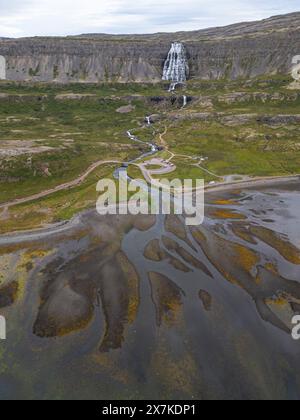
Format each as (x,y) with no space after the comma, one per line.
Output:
(145,307)
(253,183)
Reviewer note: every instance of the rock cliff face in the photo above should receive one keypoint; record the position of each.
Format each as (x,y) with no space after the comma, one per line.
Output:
(241,50)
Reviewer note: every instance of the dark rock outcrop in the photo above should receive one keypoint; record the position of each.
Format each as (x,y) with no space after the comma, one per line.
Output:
(238,119)
(241,50)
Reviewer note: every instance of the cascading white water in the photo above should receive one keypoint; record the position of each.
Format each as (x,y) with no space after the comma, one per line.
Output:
(176,67)
(184,101)
(153,147)
(172,86)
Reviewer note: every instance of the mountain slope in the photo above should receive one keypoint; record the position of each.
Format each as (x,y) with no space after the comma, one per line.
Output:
(240,50)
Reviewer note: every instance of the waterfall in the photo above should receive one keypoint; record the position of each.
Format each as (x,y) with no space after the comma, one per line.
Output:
(154,148)
(176,67)
(148,120)
(131,136)
(184,101)
(172,86)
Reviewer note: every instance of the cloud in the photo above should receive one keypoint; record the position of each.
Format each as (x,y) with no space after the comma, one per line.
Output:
(63,17)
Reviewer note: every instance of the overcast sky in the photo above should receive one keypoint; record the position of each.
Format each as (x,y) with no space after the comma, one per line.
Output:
(67,17)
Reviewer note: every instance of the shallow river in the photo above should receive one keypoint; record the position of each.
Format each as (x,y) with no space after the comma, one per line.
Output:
(144,307)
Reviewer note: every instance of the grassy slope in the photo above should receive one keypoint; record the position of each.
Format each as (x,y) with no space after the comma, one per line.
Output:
(81,132)
(98,133)
(250,149)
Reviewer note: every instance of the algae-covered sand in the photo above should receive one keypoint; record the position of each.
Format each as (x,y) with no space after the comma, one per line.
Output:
(146,307)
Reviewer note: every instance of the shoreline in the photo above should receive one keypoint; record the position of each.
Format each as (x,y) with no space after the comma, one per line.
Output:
(251,183)
(68,185)
(61,227)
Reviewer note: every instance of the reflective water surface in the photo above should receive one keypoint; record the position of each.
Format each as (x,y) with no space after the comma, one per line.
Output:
(146,307)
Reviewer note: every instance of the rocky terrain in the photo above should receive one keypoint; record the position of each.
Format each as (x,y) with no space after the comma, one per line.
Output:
(241,50)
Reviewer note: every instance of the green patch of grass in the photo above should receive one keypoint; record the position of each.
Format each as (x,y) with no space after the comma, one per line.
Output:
(83,131)
(249,150)
(100,89)
(80,133)
(60,206)
(267,83)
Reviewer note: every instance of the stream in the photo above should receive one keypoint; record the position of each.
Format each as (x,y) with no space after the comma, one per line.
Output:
(146,300)
(144,307)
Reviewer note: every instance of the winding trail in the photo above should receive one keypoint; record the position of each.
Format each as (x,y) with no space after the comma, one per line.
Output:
(61,227)
(198,165)
(252,183)
(61,187)
(146,174)
(162,140)
(75,182)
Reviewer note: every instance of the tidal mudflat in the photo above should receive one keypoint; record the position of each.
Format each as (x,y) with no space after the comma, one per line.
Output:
(129,307)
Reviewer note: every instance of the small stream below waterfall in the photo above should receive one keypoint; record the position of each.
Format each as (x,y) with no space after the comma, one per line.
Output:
(136,307)
(152,146)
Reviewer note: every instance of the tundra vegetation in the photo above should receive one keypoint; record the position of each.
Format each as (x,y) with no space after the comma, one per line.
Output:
(51,134)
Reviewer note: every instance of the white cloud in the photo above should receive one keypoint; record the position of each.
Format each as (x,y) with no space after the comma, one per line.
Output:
(63,17)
